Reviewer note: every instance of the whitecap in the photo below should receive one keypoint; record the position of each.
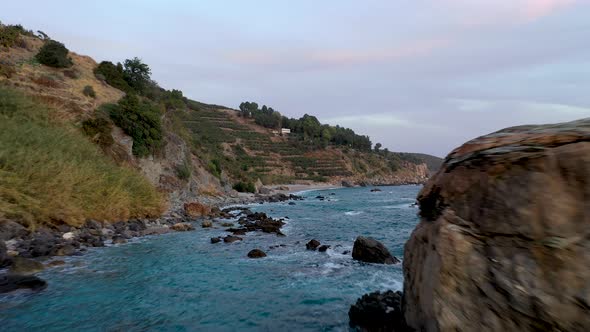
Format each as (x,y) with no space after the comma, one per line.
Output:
(353,213)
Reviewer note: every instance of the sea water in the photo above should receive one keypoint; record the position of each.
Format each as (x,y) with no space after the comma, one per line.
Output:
(182,282)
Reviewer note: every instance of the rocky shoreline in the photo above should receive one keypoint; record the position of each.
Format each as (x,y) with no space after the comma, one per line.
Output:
(22,250)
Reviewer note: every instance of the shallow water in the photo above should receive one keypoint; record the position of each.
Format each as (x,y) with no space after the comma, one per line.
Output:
(182,282)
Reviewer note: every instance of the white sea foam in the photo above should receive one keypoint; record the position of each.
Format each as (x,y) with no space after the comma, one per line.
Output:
(353,213)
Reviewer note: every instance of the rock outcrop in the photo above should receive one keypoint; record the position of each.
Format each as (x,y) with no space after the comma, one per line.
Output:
(378,312)
(504,239)
(367,249)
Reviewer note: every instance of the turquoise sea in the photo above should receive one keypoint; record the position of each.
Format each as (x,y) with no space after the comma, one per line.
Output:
(182,282)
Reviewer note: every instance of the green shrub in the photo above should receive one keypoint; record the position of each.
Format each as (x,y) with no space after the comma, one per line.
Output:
(141,121)
(9,35)
(54,54)
(184,170)
(89,91)
(215,167)
(112,74)
(245,187)
(99,130)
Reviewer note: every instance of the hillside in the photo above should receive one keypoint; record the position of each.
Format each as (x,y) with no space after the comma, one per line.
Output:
(188,150)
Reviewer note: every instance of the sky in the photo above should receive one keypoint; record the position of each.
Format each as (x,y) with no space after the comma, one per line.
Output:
(417,76)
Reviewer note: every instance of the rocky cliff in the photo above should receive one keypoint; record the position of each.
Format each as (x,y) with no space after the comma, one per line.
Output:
(504,239)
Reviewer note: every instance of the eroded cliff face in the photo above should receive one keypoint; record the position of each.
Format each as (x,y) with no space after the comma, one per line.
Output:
(504,238)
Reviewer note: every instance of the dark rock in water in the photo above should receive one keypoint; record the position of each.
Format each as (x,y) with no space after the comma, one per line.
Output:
(346,252)
(312,245)
(5,260)
(332,194)
(320,197)
(256,253)
(12,282)
(215,239)
(374,190)
(323,248)
(367,249)
(378,312)
(292,203)
(237,231)
(25,266)
(231,239)
(119,239)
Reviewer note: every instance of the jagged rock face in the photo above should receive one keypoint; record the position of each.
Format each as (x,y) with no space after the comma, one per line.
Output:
(503,243)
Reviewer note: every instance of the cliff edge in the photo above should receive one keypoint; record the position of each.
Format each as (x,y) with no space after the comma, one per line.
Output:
(504,237)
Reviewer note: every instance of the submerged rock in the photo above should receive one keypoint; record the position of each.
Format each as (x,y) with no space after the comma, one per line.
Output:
(323,248)
(12,282)
(502,244)
(25,266)
(312,245)
(256,253)
(378,312)
(375,190)
(367,249)
(231,239)
(215,240)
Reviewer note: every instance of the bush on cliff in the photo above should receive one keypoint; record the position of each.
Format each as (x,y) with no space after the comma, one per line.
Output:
(245,187)
(51,174)
(141,121)
(54,54)
(112,74)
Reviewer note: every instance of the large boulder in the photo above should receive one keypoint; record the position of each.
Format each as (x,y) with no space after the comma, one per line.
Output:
(367,249)
(256,253)
(196,209)
(504,239)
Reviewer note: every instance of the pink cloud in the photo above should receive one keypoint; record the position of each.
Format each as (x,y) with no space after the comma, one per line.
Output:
(324,58)
(499,12)
(535,9)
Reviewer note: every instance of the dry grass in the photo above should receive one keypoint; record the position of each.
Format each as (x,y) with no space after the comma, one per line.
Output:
(67,84)
(50,173)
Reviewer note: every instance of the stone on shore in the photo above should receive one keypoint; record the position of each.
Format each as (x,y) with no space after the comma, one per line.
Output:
(367,249)
(196,209)
(256,253)
(182,227)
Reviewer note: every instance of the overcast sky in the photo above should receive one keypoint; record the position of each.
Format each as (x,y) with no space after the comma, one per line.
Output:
(420,76)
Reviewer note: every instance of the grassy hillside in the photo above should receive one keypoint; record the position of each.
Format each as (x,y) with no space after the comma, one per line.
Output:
(51,173)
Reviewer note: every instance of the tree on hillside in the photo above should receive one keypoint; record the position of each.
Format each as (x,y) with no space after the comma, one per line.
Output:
(137,74)
(248,109)
(377,147)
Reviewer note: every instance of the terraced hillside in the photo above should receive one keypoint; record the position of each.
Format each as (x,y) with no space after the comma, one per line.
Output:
(248,152)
